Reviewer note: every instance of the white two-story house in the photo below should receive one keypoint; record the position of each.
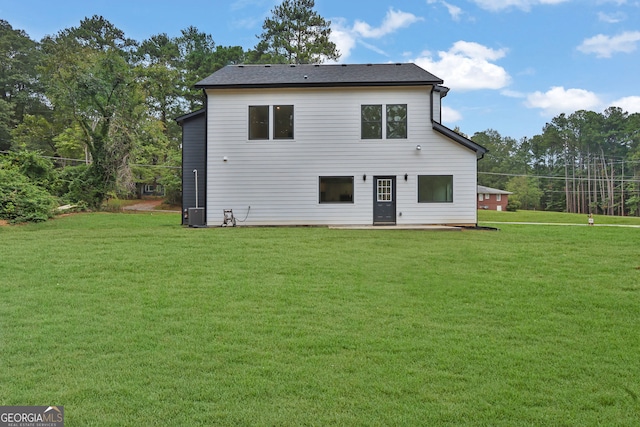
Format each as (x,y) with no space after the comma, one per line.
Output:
(327,144)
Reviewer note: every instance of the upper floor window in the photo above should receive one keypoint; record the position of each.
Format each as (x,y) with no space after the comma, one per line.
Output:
(259,122)
(397,121)
(394,116)
(372,122)
(283,122)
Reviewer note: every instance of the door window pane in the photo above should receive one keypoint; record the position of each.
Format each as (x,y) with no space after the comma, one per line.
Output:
(384,190)
(259,122)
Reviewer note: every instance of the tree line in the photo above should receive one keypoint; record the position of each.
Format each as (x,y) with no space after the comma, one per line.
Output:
(91,93)
(104,106)
(585,162)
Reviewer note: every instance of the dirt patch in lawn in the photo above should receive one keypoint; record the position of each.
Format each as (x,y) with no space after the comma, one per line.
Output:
(151,205)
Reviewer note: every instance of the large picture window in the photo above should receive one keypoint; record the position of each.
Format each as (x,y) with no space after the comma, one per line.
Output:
(371,122)
(336,189)
(435,188)
(259,122)
(397,121)
(283,122)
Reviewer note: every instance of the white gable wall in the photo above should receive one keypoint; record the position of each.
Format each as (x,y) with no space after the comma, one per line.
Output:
(279,179)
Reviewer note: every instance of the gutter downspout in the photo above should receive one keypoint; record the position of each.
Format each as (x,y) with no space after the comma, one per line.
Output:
(206,150)
(431,100)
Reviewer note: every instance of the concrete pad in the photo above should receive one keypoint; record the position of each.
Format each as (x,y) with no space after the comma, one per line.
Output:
(397,227)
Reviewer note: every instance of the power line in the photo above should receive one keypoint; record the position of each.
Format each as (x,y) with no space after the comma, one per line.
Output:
(567,178)
(85,161)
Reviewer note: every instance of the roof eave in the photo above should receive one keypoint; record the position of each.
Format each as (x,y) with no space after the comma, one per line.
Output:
(191,115)
(313,84)
(477,148)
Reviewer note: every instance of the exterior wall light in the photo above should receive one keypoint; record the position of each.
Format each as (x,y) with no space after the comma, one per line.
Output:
(418,147)
(406,176)
(364,177)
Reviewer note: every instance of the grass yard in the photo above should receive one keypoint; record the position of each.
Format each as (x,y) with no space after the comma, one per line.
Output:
(553,218)
(130,319)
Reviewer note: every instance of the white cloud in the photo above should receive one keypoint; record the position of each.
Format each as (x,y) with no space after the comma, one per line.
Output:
(346,37)
(560,100)
(512,94)
(611,18)
(605,46)
(453,10)
(467,66)
(393,21)
(342,37)
(449,115)
(498,5)
(630,104)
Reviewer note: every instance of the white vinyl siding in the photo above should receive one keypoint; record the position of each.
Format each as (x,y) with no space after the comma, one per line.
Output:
(280,180)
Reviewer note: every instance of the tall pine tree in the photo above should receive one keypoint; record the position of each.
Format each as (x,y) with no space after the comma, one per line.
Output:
(295,34)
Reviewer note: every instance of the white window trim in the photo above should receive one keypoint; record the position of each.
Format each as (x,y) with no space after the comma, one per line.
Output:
(271,123)
(384,122)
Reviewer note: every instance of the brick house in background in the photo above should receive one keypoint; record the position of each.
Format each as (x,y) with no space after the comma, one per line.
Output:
(492,198)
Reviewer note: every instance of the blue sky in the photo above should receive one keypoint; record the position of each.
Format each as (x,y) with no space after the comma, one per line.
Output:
(512,65)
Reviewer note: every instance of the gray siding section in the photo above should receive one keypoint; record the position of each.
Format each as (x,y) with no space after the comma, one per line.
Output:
(193,157)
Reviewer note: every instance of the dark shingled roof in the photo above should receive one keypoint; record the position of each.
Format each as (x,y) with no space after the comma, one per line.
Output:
(265,76)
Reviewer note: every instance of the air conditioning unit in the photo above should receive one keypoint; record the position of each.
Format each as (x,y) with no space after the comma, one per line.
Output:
(196,217)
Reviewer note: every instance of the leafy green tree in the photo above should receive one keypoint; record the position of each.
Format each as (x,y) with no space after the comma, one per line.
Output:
(199,57)
(6,114)
(526,192)
(72,143)
(90,77)
(159,66)
(35,133)
(295,34)
(504,157)
(19,83)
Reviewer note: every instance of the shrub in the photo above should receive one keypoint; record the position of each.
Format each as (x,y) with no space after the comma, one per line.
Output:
(77,185)
(21,200)
(513,205)
(37,169)
(173,188)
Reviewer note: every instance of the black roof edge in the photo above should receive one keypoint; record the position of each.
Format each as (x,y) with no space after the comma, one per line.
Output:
(479,149)
(190,115)
(316,84)
(443,90)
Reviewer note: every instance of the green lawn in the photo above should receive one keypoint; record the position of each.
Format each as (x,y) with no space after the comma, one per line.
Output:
(552,217)
(130,319)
